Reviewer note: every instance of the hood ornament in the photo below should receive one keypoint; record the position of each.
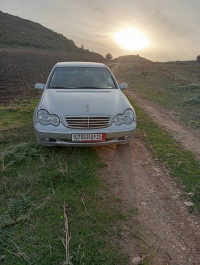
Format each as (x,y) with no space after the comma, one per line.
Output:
(87,108)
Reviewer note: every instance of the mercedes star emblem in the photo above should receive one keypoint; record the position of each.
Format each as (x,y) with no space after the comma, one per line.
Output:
(87,108)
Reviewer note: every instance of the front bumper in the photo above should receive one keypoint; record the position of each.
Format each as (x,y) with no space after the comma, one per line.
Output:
(62,136)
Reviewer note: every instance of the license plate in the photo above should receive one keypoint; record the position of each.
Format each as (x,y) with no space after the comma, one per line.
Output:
(88,137)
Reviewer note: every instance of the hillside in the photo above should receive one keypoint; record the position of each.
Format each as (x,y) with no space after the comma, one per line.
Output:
(16,32)
(131,59)
(176,87)
(191,62)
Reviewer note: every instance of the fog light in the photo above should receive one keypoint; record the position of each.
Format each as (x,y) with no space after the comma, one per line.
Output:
(46,139)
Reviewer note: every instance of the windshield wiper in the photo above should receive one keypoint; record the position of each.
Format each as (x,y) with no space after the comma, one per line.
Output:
(92,87)
(61,87)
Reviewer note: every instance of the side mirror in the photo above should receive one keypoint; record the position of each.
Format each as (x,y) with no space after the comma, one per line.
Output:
(39,86)
(123,86)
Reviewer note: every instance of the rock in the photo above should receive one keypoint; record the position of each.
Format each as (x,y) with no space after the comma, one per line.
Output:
(136,261)
(189,204)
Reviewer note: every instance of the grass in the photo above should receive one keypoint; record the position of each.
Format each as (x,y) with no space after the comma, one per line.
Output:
(36,182)
(180,162)
(174,88)
(16,32)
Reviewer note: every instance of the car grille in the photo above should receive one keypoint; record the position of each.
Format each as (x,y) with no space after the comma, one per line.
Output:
(87,122)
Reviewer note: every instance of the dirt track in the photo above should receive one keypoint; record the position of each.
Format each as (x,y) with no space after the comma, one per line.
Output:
(190,139)
(172,235)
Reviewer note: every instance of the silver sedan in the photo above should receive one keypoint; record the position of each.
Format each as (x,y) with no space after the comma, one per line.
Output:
(83,105)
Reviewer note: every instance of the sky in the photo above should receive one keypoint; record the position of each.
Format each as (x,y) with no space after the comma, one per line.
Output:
(171,26)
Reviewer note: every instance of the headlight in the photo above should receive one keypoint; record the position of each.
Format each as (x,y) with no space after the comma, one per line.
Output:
(45,118)
(126,118)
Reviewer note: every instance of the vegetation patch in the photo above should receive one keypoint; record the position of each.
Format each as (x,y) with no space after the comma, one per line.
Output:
(16,32)
(180,162)
(35,183)
(174,87)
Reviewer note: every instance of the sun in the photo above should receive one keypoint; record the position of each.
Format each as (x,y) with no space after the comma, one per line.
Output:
(131,39)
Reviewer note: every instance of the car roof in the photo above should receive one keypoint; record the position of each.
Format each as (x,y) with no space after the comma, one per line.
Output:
(80,64)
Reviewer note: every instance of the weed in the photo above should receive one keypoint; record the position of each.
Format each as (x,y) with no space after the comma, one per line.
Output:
(16,154)
(17,211)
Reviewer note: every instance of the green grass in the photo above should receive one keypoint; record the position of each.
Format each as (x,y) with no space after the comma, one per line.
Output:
(36,182)
(176,89)
(180,162)
(16,121)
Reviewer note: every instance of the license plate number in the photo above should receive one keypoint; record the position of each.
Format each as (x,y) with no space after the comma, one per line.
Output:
(88,137)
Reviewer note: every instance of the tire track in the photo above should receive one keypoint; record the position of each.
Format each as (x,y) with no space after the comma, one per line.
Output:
(173,233)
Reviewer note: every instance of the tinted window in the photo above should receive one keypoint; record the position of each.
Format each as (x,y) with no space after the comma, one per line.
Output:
(81,77)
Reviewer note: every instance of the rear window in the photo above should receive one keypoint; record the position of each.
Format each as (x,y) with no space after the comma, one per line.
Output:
(81,77)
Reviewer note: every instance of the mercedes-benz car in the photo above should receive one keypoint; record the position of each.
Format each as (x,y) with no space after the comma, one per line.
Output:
(83,105)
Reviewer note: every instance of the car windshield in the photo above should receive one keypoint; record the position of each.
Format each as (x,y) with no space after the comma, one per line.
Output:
(82,77)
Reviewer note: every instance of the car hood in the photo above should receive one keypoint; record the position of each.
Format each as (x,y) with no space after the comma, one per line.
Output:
(84,102)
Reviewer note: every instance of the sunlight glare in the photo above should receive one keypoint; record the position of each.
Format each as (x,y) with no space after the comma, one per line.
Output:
(131,39)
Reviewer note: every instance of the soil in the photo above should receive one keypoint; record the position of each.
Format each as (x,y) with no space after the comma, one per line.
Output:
(22,68)
(171,234)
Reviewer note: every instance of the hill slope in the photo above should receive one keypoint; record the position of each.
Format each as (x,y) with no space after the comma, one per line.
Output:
(16,32)
(131,59)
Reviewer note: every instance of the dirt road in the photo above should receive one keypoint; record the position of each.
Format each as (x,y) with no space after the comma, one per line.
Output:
(172,235)
(190,139)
